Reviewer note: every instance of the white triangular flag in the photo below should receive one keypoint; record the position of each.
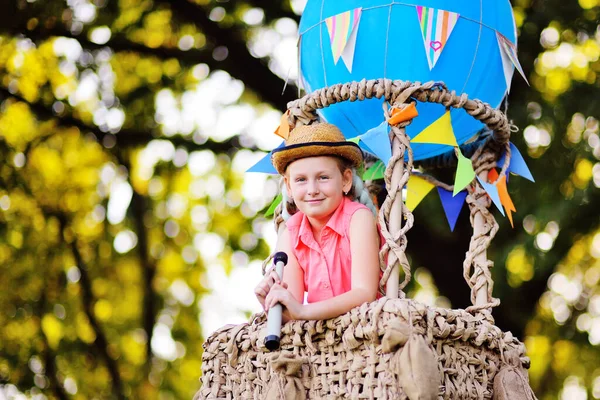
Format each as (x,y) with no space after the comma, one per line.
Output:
(507,66)
(348,53)
(509,50)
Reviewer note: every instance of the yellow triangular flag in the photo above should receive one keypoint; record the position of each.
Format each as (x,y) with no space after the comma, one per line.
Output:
(439,132)
(416,190)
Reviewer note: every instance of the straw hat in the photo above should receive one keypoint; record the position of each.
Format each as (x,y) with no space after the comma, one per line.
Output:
(318,139)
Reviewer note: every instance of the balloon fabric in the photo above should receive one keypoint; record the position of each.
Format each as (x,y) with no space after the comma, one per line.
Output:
(455,42)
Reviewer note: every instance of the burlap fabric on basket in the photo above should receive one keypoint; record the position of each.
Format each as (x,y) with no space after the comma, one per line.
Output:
(389,349)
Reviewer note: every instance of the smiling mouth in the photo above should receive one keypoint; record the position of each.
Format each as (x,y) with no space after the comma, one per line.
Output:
(314,201)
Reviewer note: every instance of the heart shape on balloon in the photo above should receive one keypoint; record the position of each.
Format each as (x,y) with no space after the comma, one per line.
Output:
(435,45)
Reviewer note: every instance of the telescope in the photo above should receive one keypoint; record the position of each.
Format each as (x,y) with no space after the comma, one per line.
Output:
(274,317)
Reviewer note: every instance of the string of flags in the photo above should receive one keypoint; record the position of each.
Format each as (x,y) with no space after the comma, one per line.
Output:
(436,27)
(441,132)
(377,142)
(417,188)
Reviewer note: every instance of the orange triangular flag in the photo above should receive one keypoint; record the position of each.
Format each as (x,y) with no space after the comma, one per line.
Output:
(405,114)
(283,130)
(505,199)
(492,175)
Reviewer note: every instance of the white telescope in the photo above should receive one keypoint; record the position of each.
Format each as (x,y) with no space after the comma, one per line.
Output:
(274,317)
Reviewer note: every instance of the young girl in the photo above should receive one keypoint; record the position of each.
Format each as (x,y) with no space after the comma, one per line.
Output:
(332,242)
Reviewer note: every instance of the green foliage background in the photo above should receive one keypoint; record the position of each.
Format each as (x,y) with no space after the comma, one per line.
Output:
(77,317)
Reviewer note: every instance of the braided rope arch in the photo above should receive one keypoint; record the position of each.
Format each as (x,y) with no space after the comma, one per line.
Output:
(400,94)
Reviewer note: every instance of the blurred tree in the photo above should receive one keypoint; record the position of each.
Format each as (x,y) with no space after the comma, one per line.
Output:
(124,128)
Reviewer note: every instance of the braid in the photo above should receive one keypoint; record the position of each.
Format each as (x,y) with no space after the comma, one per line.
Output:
(288,207)
(361,192)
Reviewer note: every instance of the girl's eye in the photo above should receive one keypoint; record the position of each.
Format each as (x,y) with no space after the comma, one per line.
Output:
(300,179)
(323,177)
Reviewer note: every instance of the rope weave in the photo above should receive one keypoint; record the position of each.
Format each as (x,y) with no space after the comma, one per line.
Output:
(303,110)
(476,267)
(396,241)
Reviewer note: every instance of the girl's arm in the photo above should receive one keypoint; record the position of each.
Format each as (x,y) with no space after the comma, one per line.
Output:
(293,276)
(364,247)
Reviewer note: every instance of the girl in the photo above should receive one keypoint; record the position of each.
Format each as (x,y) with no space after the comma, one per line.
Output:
(332,242)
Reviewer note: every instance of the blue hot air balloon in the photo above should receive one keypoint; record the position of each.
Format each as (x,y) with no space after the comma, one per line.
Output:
(456,42)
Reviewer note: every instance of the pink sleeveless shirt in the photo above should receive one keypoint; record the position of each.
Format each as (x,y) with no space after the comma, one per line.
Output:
(327,267)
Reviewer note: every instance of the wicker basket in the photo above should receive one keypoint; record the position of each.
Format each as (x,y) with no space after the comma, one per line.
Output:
(393,348)
(345,357)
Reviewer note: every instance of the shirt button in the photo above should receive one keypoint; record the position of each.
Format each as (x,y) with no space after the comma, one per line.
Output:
(326,286)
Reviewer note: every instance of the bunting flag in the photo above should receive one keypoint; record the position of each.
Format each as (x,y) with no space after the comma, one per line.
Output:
(274,205)
(517,165)
(492,191)
(492,175)
(363,146)
(416,190)
(509,50)
(507,66)
(283,130)
(439,132)
(376,171)
(404,114)
(343,30)
(264,165)
(505,199)
(377,141)
(452,205)
(436,27)
(464,173)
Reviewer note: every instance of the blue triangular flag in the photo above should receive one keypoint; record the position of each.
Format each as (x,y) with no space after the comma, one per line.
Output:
(500,164)
(378,140)
(452,205)
(492,191)
(517,165)
(365,147)
(264,165)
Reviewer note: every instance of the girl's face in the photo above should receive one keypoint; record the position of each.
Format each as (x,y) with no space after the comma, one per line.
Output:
(317,185)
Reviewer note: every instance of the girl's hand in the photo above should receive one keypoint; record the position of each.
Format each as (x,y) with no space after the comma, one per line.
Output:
(264,287)
(279,294)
